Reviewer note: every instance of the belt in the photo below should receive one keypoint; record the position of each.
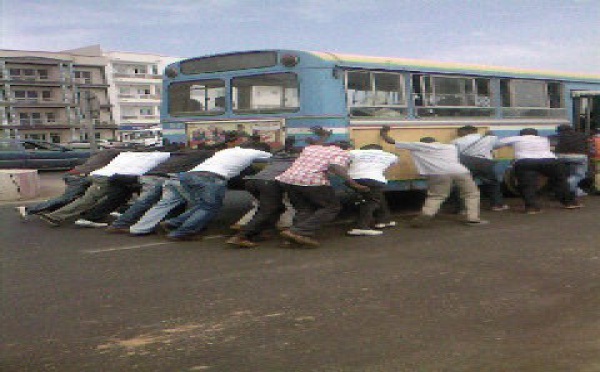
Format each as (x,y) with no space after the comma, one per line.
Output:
(209,174)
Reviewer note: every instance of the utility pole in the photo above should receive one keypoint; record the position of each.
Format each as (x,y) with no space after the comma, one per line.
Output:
(93,111)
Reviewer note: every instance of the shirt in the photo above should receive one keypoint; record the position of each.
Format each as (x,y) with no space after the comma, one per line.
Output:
(132,163)
(229,163)
(434,158)
(528,147)
(571,142)
(180,161)
(476,145)
(310,169)
(279,164)
(97,161)
(370,164)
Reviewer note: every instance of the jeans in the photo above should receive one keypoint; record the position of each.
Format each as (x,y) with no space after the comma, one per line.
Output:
(100,189)
(577,165)
(205,194)
(269,194)
(151,193)
(315,206)
(171,197)
(527,171)
(374,208)
(75,187)
(439,188)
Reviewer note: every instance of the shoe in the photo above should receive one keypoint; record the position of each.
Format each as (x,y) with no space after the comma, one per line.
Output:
(22,211)
(117,230)
(422,220)
(532,210)
(477,223)
(49,220)
(236,227)
(300,239)
(500,208)
(385,224)
(116,214)
(164,228)
(573,206)
(242,242)
(364,232)
(87,223)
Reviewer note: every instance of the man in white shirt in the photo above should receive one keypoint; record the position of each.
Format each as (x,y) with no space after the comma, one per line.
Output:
(471,143)
(439,163)
(533,156)
(367,167)
(202,188)
(105,185)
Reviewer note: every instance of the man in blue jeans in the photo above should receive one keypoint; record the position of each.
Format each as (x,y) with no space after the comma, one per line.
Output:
(572,148)
(202,188)
(152,185)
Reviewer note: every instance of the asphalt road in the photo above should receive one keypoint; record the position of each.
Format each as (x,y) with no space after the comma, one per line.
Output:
(520,294)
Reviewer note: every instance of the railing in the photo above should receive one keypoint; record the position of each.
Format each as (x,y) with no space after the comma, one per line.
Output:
(136,76)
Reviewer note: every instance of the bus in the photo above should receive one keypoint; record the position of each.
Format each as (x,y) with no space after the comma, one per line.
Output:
(278,93)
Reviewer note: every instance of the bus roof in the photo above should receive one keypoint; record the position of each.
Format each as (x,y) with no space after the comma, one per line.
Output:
(357,61)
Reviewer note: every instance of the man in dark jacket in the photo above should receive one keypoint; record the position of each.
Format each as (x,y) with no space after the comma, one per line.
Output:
(572,148)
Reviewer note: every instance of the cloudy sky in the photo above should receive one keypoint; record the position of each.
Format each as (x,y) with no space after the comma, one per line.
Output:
(540,34)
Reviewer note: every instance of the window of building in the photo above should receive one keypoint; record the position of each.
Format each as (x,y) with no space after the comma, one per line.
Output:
(83,76)
(375,94)
(50,117)
(43,74)
(46,95)
(24,118)
(14,72)
(155,69)
(531,98)
(205,97)
(265,93)
(36,118)
(140,70)
(28,73)
(54,137)
(449,96)
(146,111)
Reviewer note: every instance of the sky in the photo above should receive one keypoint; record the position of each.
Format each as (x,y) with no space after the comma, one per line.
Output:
(561,35)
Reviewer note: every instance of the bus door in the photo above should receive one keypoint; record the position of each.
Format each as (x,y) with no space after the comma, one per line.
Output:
(207,133)
(586,111)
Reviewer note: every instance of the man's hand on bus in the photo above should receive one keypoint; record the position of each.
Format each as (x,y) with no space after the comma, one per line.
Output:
(384,133)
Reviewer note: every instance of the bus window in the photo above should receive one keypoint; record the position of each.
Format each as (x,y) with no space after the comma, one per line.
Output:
(265,93)
(450,96)
(375,94)
(531,98)
(206,97)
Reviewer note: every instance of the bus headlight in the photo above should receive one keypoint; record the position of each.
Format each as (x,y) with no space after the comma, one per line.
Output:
(289,60)
(171,72)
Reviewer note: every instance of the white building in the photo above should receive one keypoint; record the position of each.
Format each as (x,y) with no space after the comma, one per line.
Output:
(135,84)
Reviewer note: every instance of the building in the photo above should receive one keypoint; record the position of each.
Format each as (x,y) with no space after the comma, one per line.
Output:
(65,96)
(135,84)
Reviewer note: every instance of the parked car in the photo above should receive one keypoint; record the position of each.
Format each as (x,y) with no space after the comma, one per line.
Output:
(100,143)
(32,154)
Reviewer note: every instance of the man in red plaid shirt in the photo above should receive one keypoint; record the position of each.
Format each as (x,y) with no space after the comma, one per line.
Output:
(309,189)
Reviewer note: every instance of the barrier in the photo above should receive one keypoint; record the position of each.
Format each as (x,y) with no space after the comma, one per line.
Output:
(19,184)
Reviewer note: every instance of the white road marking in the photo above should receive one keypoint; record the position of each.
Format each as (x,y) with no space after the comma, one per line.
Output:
(140,246)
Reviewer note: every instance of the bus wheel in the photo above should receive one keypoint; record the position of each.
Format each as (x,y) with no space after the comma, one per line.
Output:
(511,185)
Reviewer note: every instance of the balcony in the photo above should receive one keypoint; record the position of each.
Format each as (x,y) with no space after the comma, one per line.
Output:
(140,117)
(140,96)
(133,75)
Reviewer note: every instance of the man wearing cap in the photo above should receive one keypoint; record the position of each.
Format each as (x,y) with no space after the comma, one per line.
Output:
(439,163)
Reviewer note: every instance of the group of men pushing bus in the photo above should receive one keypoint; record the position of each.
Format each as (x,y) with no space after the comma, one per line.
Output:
(181,191)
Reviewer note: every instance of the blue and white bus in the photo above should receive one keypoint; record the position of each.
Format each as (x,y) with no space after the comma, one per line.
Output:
(276,93)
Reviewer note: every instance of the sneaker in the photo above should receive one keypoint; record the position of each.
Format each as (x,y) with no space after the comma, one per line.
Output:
(477,223)
(573,206)
(117,230)
(241,242)
(385,224)
(236,226)
(22,211)
(87,223)
(364,232)
(49,220)
(300,239)
(500,208)
(532,210)
(116,214)
(422,220)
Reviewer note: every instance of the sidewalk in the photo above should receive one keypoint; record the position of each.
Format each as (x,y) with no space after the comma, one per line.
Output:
(51,185)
